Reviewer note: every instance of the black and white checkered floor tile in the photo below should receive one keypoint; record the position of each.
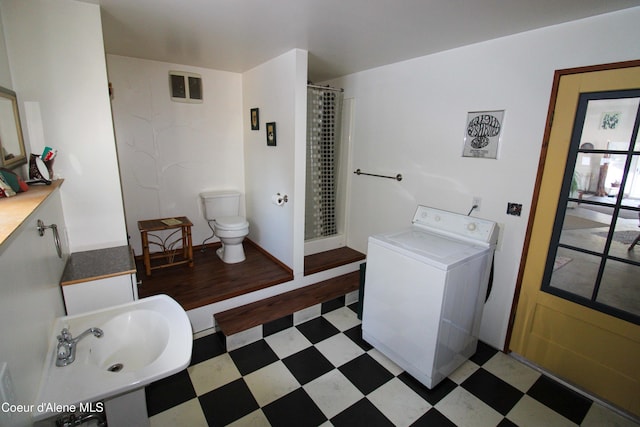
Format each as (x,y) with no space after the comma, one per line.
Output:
(321,373)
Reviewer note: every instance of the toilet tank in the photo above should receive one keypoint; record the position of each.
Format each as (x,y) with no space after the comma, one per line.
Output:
(220,203)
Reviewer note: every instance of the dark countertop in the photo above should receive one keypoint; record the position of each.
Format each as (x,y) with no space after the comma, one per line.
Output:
(98,264)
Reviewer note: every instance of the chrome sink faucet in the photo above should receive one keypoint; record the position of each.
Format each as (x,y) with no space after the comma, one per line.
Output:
(66,352)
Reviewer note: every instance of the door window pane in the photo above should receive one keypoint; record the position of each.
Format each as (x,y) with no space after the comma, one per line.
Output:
(575,272)
(625,232)
(583,226)
(609,120)
(619,287)
(632,186)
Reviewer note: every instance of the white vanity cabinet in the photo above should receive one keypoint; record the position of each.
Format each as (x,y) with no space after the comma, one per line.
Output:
(98,279)
(99,293)
(30,297)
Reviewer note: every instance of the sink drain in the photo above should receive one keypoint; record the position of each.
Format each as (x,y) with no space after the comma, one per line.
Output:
(116,367)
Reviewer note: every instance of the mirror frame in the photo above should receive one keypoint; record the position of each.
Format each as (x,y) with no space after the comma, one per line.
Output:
(10,124)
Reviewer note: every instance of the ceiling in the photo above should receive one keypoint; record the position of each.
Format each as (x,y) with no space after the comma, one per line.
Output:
(341,36)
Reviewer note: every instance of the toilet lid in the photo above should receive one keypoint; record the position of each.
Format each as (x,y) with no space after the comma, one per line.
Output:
(231,222)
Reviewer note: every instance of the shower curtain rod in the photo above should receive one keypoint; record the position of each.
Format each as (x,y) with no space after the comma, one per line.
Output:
(325,88)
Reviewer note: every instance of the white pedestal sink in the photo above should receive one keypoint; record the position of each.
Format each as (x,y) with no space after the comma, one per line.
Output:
(143,341)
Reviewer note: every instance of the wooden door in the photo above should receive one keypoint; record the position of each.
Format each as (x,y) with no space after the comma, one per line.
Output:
(575,335)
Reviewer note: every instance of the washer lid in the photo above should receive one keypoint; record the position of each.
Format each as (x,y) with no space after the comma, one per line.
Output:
(440,251)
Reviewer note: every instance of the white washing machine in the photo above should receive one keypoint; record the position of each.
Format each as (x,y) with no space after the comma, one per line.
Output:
(425,288)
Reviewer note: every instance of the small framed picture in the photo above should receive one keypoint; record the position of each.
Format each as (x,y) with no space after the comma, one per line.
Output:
(482,134)
(255,119)
(610,120)
(271,134)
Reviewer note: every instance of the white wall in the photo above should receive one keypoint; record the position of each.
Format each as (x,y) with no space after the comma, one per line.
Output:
(169,151)
(57,62)
(5,72)
(410,119)
(278,89)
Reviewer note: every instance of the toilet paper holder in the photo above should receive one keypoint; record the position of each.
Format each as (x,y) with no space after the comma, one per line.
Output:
(279,199)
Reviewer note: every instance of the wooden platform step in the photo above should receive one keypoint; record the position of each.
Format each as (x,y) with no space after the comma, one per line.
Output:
(330,259)
(260,312)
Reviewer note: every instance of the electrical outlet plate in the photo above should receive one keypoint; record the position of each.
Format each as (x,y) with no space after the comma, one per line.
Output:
(477,201)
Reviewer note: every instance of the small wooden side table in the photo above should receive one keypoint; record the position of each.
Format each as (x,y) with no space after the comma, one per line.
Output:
(167,252)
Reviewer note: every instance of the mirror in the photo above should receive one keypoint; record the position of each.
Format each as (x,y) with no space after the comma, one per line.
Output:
(11,142)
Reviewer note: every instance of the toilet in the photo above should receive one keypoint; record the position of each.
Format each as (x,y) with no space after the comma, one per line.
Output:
(222,208)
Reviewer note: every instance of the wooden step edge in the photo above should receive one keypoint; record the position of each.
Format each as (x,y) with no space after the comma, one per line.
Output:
(312,267)
(247,316)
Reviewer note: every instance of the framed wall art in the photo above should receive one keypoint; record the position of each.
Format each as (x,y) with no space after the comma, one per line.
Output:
(271,134)
(610,120)
(482,134)
(255,119)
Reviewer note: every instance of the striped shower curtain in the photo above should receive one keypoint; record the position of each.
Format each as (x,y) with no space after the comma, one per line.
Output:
(324,111)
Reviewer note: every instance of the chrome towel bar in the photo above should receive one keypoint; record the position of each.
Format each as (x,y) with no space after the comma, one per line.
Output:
(398,177)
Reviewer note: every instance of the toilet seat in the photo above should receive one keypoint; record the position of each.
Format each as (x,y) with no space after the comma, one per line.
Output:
(230,223)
